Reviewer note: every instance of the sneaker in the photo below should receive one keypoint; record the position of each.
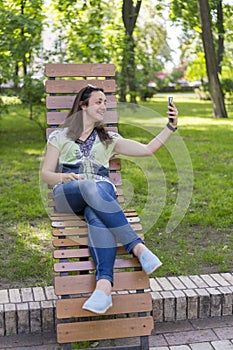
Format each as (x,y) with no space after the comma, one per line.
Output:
(98,302)
(149,261)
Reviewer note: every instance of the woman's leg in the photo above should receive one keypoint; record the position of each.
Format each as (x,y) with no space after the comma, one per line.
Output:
(101,197)
(68,198)
(74,196)
(102,246)
(103,249)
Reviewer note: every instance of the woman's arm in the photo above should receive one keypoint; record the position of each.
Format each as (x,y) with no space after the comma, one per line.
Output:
(48,172)
(133,148)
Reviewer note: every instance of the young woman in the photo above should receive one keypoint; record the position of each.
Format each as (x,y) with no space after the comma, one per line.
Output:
(76,164)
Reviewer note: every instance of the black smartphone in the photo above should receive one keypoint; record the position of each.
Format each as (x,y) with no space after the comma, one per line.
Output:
(170,100)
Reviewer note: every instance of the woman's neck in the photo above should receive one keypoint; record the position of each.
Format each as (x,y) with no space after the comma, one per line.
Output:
(87,130)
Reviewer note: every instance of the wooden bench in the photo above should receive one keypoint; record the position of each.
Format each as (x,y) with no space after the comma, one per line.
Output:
(131,314)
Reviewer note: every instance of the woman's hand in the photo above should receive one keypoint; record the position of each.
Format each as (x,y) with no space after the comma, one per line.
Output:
(67,177)
(172,115)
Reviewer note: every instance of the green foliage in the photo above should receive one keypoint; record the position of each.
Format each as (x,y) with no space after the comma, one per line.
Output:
(197,68)
(32,94)
(202,92)
(102,38)
(32,91)
(227,85)
(186,13)
(20,37)
(80,21)
(151,50)
(3,107)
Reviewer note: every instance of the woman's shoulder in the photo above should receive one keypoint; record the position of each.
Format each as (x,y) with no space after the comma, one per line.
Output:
(114,135)
(57,134)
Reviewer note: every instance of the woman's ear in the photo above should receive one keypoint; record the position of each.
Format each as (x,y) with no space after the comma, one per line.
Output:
(82,105)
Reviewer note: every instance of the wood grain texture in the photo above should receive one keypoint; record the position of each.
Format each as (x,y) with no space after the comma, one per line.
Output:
(80,70)
(122,304)
(66,102)
(73,86)
(65,285)
(104,329)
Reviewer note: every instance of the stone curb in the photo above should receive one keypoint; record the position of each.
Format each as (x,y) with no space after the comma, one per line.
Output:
(32,310)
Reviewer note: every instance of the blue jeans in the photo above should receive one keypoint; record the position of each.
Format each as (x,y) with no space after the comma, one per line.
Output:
(107,224)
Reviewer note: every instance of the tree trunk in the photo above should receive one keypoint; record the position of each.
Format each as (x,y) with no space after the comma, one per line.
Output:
(211,61)
(221,31)
(130,69)
(16,77)
(129,15)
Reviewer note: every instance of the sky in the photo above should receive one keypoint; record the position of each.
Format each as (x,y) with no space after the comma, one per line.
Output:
(173,42)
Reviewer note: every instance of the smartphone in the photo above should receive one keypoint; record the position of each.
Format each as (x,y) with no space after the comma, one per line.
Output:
(170,100)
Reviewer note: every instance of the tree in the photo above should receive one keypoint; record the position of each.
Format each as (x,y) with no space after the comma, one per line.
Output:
(206,19)
(211,61)
(20,36)
(197,68)
(221,31)
(89,38)
(129,15)
(81,27)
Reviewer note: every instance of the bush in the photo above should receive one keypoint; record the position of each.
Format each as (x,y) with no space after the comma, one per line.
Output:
(3,107)
(227,86)
(32,93)
(203,92)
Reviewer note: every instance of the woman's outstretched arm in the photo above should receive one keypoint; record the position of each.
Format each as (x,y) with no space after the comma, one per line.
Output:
(133,148)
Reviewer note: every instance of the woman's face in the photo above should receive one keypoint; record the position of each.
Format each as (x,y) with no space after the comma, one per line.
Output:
(96,106)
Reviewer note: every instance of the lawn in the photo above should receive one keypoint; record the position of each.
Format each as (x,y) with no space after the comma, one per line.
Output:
(184,194)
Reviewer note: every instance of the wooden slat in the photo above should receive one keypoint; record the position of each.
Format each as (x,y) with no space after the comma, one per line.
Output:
(83,231)
(50,130)
(71,253)
(80,70)
(122,304)
(90,266)
(69,224)
(56,216)
(104,329)
(79,241)
(115,164)
(116,178)
(80,253)
(70,242)
(80,223)
(66,102)
(57,118)
(120,199)
(73,86)
(65,285)
(69,216)
(75,222)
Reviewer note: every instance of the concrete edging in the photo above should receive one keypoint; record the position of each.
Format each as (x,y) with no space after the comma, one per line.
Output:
(32,310)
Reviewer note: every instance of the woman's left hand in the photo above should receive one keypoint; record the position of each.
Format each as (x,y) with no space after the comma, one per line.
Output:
(173,115)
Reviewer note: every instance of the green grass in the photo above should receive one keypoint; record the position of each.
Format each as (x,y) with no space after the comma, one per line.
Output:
(201,243)
(25,234)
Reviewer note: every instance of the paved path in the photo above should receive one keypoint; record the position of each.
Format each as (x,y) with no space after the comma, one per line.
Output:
(206,334)
(200,334)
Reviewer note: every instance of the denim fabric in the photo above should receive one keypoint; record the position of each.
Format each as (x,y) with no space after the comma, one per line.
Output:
(107,224)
